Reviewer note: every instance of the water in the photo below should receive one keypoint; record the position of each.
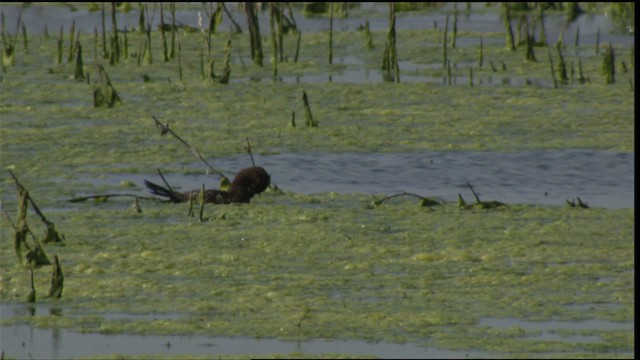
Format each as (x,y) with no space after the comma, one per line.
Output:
(22,341)
(39,17)
(601,178)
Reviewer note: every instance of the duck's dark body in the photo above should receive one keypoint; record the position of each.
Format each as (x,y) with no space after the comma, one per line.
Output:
(247,183)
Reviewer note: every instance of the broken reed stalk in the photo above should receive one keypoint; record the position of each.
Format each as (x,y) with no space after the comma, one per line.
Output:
(543,32)
(125,45)
(506,17)
(235,24)
(254,33)
(307,111)
(295,58)
(60,45)
(274,43)
(165,49)
(104,32)
(581,77)
(444,42)
(172,53)
(368,42)
(164,129)
(479,203)
(52,234)
(279,21)
(8,49)
(202,198)
(553,73)
(78,73)
(390,55)
(455,25)
(608,65)
(598,41)
(562,66)
(227,64)
(470,76)
(531,56)
(576,40)
(148,56)
(104,95)
(25,42)
(330,33)
(57,279)
(71,36)
(31,297)
(115,47)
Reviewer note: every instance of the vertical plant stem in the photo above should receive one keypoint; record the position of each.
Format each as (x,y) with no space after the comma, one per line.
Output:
(165,49)
(562,66)
(172,53)
(78,74)
(71,38)
(125,45)
(202,199)
(274,43)
(444,42)
(507,25)
(179,60)
(295,58)
(114,33)
(104,32)
(608,65)
(24,38)
(598,41)
(254,33)
(455,25)
(60,42)
(96,39)
(553,73)
(330,33)
(280,31)
(543,33)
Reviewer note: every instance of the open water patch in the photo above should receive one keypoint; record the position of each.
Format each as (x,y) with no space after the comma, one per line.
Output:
(601,178)
(24,341)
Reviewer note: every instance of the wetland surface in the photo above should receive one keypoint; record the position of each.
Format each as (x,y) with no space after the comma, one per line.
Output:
(318,267)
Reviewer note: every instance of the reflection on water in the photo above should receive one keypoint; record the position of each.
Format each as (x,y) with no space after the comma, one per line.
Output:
(602,179)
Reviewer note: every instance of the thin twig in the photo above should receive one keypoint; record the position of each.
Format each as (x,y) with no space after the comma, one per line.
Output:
(164,180)
(249,151)
(35,207)
(474,192)
(106,196)
(164,128)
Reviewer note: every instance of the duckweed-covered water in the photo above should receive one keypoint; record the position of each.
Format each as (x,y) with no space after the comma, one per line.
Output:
(319,259)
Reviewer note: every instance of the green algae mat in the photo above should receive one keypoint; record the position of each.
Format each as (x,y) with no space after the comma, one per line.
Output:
(332,266)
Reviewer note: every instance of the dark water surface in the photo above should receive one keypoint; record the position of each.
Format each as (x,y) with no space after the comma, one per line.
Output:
(601,178)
